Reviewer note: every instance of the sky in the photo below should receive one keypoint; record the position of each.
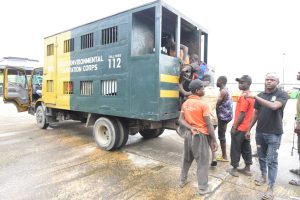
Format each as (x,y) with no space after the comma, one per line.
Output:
(245,36)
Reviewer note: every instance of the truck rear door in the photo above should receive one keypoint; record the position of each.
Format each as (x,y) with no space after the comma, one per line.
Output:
(15,88)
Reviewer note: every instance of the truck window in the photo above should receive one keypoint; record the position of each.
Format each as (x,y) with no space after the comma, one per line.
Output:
(69,45)
(143,32)
(169,21)
(110,35)
(17,79)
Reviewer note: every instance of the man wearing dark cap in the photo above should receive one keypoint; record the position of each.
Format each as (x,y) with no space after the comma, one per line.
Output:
(240,138)
(195,117)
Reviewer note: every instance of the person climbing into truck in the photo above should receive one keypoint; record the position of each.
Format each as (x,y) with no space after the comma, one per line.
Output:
(188,73)
(171,49)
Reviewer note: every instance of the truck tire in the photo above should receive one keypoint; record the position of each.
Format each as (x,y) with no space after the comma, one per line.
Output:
(123,133)
(105,133)
(151,133)
(41,118)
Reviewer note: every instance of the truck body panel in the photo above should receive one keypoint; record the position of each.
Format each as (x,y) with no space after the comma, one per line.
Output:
(115,73)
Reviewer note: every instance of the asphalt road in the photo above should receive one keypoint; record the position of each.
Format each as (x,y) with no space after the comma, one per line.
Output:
(63,162)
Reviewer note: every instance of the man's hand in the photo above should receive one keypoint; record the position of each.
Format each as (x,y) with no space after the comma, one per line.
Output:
(247,135)
(214,145)
(248,95)
(194,130)
(233,130)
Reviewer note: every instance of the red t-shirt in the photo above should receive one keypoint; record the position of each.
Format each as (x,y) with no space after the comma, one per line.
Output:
(194,110)
(244,105)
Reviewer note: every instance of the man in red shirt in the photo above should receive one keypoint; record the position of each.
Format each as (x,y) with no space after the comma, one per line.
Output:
(195,116)
(240,138)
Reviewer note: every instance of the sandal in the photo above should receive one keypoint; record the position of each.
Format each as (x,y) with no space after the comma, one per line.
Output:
(295,171)
(220,158)
(260,181)
(214,163)
(268,195)
(294,182)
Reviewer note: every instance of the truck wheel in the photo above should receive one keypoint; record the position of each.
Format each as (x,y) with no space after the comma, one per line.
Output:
(151,133)
(123,133)
(41,118)
(105,133)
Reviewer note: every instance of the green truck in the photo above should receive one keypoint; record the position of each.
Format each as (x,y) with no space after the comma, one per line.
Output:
(115,74)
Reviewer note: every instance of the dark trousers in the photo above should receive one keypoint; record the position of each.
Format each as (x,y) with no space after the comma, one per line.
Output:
(222,126)
(240,145)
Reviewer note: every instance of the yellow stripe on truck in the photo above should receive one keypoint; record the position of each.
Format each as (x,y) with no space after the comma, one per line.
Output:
(169,94)
(169,78)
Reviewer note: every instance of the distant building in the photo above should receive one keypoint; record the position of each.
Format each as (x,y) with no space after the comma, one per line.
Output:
(26,63)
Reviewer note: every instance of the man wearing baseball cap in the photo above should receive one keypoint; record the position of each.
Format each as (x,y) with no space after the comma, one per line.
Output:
(195,116)
(244,78)
(240,138)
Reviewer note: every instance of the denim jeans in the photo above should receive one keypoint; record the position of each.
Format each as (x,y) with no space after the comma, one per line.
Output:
(267,148)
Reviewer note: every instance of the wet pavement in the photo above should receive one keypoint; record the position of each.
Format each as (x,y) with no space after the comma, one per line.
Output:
(63,162)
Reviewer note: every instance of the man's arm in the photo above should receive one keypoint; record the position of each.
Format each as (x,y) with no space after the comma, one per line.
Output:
(239,121)
(183,91)
(297,128)
(211,133)
(244,107)
(183,122)
(269,104)
(253,120)
(185,50)
(298,109)
(221,97)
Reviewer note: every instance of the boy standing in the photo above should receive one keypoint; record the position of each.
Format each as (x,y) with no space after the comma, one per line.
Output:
(195,117)
(240,138)
(224,114)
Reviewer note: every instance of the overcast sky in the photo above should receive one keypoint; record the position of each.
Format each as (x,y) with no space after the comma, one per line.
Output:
(245,36)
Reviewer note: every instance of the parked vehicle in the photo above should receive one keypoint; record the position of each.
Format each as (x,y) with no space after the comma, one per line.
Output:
(114,73)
